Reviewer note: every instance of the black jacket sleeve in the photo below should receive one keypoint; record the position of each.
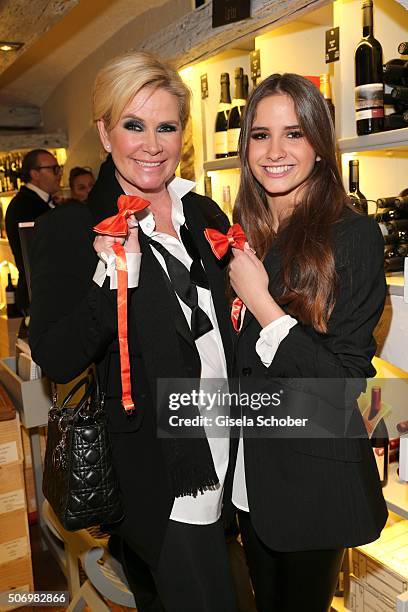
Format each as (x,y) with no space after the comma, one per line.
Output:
(348,347)
(73,320)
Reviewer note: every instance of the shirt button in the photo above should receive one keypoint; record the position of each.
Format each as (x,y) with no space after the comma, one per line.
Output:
(246,371)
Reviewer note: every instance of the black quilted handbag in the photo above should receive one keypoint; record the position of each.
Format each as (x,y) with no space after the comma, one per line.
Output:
(79,480)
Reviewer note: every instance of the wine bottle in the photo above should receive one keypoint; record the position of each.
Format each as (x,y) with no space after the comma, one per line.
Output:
(246,87)
(325,90)
(402,249)
(394,227)
(400,94)
(237,107)
(11,298)
(401,202)
(226,201)
(386,202)
(358,200)
(403,48)
(395,121)
(395,72)
(208,186)
(379,437)
(389,214)
(400,238)
(369,88)
(399,106)
(394,264)
(221,122)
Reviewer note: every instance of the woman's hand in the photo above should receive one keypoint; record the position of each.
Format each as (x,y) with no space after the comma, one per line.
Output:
(103,244)
(250,281)
(132,241)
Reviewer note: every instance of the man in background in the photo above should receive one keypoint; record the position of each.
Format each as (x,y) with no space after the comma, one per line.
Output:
(41,174)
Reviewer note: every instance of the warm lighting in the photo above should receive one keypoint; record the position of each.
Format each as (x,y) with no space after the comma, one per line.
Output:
(10,46)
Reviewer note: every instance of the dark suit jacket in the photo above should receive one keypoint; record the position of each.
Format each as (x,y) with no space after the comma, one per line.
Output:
(25,206)
(320,493)
(74,323)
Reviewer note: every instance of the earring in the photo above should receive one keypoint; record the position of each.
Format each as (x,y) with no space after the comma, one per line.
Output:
(107,147)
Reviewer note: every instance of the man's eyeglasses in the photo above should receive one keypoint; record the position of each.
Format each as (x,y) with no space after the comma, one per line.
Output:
(56,168)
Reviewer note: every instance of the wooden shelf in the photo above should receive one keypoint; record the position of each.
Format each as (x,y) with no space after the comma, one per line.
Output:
(394,139)
(396,493)
(226,163)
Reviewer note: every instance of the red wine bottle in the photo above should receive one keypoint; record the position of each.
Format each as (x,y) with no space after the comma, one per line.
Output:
(369,90)
(400,94)
(396,238)
(386,202)
(395,72)
(221,122)
(358,200)
(395,121)
(401,202)
(389,214)
(379,437)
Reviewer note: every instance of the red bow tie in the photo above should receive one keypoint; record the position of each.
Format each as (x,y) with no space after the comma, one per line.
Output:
(117,227)
(220,243)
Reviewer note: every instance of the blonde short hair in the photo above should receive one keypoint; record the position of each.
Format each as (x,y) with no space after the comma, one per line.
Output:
(118,82)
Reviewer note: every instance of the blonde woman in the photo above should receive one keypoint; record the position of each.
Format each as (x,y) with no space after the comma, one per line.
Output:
(172,490)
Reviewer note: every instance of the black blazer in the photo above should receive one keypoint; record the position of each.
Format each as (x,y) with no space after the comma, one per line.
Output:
(307,494)
(25,206)
(74,323)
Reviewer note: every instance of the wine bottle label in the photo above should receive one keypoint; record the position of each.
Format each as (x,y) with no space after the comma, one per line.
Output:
(369,101)
(10,297)
(232,138)
(221,143)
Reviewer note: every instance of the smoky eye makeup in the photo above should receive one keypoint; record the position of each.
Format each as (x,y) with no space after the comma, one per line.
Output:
(133,125)
(168,127)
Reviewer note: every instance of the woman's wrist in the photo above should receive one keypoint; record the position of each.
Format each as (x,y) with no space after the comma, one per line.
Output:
(266,310)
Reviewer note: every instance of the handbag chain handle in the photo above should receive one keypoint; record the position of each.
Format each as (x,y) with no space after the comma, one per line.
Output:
(65,420)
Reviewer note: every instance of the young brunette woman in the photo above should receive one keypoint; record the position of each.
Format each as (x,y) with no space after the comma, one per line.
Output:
(313,286)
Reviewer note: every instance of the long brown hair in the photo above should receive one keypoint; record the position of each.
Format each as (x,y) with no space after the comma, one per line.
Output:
(308,268)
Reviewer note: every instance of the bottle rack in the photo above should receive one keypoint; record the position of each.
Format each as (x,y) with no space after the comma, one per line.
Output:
(383,156)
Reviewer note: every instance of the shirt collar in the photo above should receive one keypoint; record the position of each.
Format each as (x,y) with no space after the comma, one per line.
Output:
(43,194)
(177,189)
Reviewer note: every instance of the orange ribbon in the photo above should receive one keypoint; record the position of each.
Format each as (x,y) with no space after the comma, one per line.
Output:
(117,226)
(220,243)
